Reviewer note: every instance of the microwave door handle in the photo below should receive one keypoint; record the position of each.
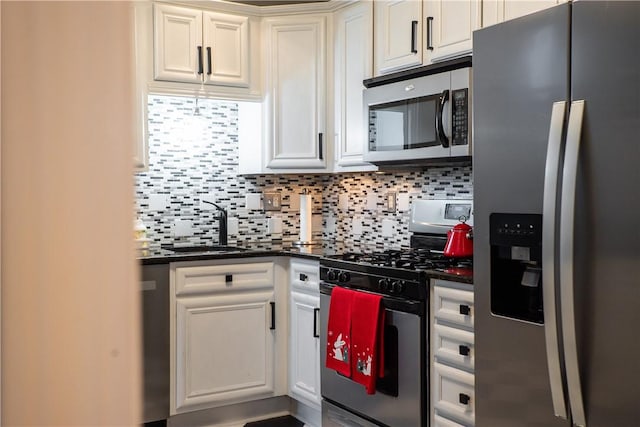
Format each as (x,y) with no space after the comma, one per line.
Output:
(440,135)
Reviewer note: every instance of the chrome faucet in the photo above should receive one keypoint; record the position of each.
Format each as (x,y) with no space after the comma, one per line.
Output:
(222,223)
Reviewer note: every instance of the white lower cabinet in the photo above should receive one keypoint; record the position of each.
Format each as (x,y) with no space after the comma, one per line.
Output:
(453,354)
(304,332)
(223,334)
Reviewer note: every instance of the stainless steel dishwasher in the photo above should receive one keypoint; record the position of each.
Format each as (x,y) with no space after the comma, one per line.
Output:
(155,332)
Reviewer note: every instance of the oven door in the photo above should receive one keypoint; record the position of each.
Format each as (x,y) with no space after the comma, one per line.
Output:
(400,398)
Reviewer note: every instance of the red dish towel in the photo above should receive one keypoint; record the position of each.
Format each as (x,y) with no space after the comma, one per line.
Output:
(367,340)
(339,331)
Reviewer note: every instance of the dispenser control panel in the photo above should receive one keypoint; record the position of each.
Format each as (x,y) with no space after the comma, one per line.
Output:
(516,229)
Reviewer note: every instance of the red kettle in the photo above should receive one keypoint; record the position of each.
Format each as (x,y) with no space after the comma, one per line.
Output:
(459,240)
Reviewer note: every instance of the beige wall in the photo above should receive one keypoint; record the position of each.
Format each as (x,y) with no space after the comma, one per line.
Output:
(70,308)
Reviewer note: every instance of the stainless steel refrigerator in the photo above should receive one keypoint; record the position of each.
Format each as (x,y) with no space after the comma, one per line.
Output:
(557,211)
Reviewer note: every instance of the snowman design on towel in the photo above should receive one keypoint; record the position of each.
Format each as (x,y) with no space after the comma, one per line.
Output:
(340,351)
(364,367)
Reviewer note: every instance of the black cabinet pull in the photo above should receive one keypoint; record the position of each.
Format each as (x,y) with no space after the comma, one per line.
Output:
(463,350)
(200,65)
(228,278)
(273,315)
(303,277)
(316,333)
(320,155)
(465,309)
(414,34)
(429,32)
(464,399)
(208,60)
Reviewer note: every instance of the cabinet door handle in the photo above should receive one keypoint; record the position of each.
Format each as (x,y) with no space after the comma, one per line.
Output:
(414,34)
(208,60)
(303,277)
(228,278)
(463,398)
(316,333)
(273,315)
(429,32)
(320,154)
(463,350)
(465,309)
(200,65)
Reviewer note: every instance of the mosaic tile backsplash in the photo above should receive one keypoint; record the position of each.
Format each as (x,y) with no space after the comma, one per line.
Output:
(193,156)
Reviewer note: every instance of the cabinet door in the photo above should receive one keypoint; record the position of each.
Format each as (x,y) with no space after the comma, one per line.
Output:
(296,82)
(224,350)
(304,348)
(454,306)
(353,63)
(177,36)
(398,35)
(495,11)
(449,28)
(453,393)
(226,44)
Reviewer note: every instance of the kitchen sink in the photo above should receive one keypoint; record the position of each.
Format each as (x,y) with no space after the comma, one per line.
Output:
(203,248)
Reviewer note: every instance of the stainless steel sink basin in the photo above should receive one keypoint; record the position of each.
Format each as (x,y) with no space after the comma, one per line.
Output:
(203,248)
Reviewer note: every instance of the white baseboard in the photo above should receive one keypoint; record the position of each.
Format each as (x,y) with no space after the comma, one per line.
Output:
(310,416)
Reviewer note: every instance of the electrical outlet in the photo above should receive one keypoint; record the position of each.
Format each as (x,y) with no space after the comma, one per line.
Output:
(391,202)
(182,228)
(272,202)
(388,228)
(252,201)
(274,225)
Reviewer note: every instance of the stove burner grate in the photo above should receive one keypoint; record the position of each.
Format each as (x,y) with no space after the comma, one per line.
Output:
(410,259)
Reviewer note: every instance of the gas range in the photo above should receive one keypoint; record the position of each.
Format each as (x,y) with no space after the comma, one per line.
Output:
(394,272)
(403,272)
(400,277)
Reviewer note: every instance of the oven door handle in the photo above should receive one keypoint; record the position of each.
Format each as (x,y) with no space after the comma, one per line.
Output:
(388,302)
(440,134)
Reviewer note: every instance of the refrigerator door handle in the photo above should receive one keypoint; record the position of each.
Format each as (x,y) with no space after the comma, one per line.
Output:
(549,255)
(567,216)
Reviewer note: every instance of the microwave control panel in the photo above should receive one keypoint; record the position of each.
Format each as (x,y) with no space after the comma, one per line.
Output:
(460,117)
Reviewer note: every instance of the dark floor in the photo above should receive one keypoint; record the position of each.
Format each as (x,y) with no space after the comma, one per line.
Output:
(286,421)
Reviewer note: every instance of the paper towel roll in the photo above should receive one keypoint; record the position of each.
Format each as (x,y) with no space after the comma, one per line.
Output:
(305,218)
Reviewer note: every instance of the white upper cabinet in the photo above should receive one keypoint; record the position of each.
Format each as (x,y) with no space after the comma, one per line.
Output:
(449,28)
(353,49)
(410,33)
(226,39)
(195,46)
(495,11)
(295,106)
(398,35)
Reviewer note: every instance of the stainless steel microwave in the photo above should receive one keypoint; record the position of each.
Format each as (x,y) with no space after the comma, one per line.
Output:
(420,120)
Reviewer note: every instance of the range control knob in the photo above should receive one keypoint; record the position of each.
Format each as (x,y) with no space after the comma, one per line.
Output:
(332,275)
(344,277)
(383,284)
(397,287)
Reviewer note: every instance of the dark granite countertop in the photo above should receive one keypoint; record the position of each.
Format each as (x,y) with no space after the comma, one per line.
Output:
(157,255)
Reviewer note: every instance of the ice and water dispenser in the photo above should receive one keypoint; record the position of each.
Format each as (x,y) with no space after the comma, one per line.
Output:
(516,266)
